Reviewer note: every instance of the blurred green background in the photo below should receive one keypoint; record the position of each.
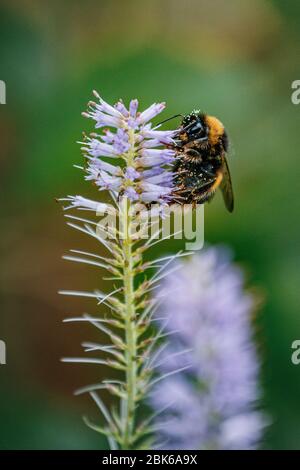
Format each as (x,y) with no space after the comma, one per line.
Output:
(235,59)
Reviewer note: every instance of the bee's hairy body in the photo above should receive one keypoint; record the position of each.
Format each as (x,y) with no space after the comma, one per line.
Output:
(201,166)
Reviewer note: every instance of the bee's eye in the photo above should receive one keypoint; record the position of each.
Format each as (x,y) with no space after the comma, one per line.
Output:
(194,130)
(197,128)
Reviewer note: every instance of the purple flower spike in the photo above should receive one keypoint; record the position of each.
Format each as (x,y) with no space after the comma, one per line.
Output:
(133,106)
(144,174)
(95,148)
(122,108)
(161,136)
(131,193)
(151,112)
(211,404)
(131,173)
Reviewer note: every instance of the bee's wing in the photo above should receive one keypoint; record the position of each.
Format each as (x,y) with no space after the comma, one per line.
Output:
(226,186)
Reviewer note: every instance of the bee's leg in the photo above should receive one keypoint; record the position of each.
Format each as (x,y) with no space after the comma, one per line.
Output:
(192,139)
(175,147)
(202,186)
(195,155)
(202,139)
(206,197)
(193,152)
(178,143)
(208,170)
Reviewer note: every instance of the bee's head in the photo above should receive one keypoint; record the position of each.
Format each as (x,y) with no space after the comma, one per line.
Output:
(194,126)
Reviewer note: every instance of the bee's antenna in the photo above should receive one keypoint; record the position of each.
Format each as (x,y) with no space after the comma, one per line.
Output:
(169,119)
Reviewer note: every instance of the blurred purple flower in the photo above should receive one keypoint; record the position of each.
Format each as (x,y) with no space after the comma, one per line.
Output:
(132,139)
(211,404)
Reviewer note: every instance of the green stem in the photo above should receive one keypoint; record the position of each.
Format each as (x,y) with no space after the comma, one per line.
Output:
(129,402)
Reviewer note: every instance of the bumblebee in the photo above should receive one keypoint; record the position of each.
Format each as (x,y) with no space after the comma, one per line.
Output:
(201,144)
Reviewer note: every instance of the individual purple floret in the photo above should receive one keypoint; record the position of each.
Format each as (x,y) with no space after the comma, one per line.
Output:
(142,171)
(211,404)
